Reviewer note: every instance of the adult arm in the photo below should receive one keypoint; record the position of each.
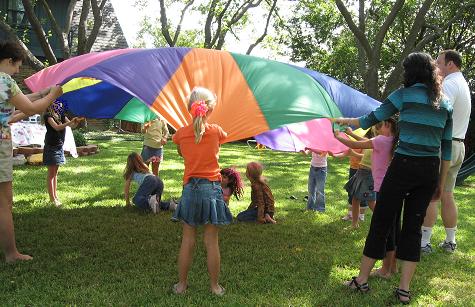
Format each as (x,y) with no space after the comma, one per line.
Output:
(21,101)
(388,108)
(17,116)
(38,95)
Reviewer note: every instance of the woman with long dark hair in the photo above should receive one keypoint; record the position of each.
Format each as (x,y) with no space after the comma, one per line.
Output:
(413,177)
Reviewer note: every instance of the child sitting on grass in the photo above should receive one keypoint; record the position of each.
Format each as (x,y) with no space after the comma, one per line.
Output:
(231,183)
(149,193)
(261,209)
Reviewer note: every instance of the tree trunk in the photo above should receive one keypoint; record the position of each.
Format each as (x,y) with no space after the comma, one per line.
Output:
(31,59)
(40,33)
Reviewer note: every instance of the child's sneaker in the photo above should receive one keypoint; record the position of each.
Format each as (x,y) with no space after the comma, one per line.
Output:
(154,205)
(448,246)
(427,249)
(361,217)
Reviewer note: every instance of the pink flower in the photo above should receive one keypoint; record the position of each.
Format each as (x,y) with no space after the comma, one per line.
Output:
(199,108)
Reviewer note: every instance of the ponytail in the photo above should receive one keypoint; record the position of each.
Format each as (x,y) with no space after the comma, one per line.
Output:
(201,104)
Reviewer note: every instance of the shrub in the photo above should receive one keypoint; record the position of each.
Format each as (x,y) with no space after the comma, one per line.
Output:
(79,138)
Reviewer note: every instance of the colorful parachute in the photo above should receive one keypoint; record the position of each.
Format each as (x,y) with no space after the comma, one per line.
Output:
(254,95)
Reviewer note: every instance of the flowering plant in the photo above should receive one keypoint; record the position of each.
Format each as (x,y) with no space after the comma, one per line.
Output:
(199,108)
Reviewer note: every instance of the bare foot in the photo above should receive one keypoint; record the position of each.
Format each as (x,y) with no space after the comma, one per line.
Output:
(269,219)
(218,290)
(355,226)
(18,257)
(380,273)
(179,288)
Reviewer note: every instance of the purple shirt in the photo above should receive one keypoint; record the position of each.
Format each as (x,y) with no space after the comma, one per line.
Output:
(382,146)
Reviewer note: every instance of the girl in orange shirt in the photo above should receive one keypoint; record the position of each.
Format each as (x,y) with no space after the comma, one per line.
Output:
(202,201)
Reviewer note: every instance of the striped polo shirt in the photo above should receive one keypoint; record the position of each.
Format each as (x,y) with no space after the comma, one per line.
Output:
(423,130)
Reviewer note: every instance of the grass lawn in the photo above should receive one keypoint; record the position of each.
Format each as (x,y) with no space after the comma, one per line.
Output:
(94,251)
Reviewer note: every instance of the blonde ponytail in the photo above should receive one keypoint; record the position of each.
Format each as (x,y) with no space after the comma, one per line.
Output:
(207,101)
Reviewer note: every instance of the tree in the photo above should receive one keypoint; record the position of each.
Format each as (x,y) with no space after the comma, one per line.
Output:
(219,18)
(381,37)
(87,29)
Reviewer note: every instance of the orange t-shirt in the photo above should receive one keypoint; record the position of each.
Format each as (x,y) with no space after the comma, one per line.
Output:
(201,160)
(355,161)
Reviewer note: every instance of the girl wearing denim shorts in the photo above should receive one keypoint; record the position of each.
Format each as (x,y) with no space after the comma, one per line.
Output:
(202,201)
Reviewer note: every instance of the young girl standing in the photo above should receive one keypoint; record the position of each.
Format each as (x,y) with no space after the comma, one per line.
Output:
(149,193)
(155,137)
(382,147)
(231,183)
(202,200)
(261,209)
(316,180)
(53,153)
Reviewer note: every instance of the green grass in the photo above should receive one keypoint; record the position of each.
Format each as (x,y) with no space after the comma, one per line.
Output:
(94,251)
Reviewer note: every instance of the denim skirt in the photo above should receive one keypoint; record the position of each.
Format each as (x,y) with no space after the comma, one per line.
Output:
(150,152)
(361,185)
(202,203)
(53,155)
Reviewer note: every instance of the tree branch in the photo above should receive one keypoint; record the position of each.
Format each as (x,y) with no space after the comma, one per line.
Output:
(261,38)
(31,59)
(164,24)
(378,40)
(209,20)
(86,6)
(40,33)
(178,28)
(97,12)
(360,36)
(62,37)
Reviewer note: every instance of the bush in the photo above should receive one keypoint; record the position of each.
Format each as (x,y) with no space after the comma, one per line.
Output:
(79,138)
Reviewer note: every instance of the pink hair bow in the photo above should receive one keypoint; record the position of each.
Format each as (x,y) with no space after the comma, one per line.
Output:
(199,108)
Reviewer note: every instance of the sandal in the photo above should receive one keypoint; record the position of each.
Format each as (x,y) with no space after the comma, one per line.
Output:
(353,284)
(175,290)
(220,292)
(402,293)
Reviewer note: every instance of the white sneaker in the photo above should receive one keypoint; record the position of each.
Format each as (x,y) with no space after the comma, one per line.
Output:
(154,205)
(448,246)
(361,217)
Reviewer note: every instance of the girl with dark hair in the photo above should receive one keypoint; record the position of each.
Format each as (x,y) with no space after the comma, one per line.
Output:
(413,177)
(231,183)
(11,98)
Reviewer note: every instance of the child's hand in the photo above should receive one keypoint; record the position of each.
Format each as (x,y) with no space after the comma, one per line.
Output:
(348,130)
(336,133)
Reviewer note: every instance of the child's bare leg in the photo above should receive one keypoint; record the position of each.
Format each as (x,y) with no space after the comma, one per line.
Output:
(185,257)
(213,256)
(155,167)
(372,204)
(7,231)
(355,211)
(269,219)
(50,182)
